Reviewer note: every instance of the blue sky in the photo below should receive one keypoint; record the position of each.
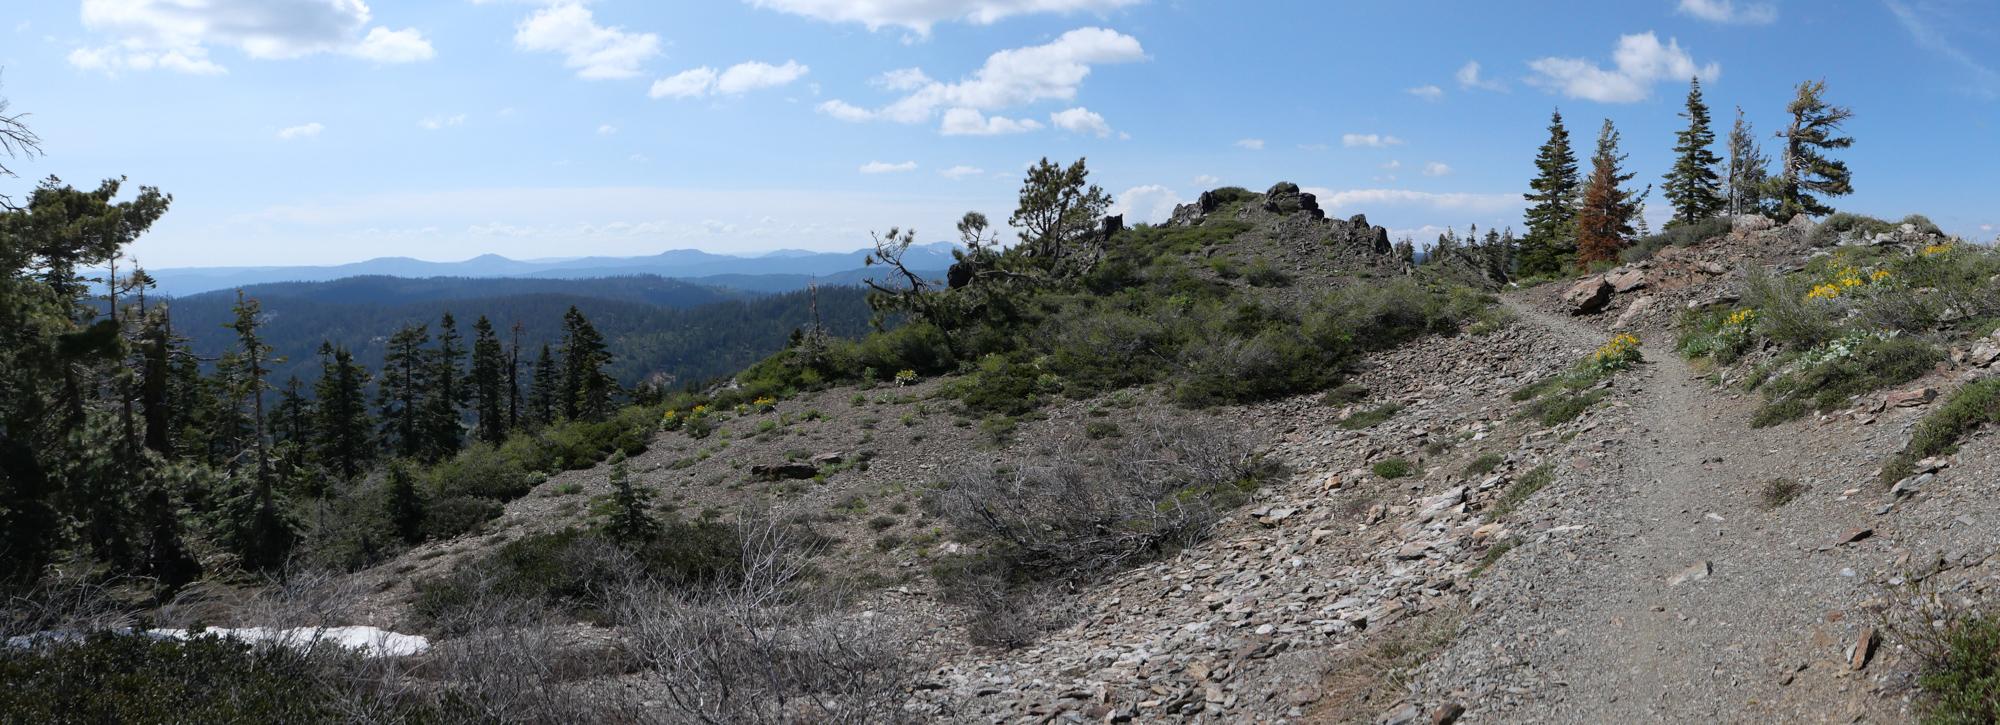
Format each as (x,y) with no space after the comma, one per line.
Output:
(322,131)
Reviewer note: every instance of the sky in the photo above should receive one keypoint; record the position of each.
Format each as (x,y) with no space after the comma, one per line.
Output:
(328,131)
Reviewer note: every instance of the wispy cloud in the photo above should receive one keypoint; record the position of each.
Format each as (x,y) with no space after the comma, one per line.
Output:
(305,130)
(1369,140)
(883,167)
(1469,77)
(1727,11)
(1427,92)
(1925,28)
(1253,144)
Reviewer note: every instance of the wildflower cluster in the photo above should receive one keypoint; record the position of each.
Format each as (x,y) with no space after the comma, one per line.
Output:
(905,377)
(1741,318)
(1618,354)
(764,402)
(1845,279)
(1936,249)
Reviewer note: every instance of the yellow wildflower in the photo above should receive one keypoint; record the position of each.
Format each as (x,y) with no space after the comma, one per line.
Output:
(1742,317)
(1936,249)
(1879,275)
(1823,292)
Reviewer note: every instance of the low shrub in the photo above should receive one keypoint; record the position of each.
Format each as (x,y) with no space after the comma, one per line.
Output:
(1484,464)
(1968,408)
(572,569)
(1518,492)
(1676,235)
(1371,417)
(1826,377)
(1393,468)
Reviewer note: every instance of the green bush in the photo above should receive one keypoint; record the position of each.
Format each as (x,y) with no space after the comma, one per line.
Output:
(1371,417)
(1394,468)
(1826,377)
(1676,235)
(1961,679)
(1002,385)
(1829,229)
(1484,464)
(484,471)
(1518,492)
(1973,405)
(454,516)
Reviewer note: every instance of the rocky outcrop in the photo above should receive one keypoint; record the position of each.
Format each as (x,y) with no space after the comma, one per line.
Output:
(1587,296)
(1286,198)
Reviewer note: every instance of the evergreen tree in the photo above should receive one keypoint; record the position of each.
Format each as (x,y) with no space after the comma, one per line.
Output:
(1604,221)
(1551,215)
(1749,170)
(156,345)
(165,556)
(1406,250)
(291,422)
(1058,217)
(343,437)
(404,506)
(404,386)
(631,521)
(260,534)
(545,390)
(586,387)
(443,414)
(488,381)
(1693,186)
(514,379)
(1807,172)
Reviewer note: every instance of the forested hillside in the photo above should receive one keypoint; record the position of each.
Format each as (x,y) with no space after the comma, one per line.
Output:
(656,328)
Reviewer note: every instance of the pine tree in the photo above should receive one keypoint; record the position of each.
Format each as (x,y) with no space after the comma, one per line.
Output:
(291,422)
(404,386)
(156,345)
(1806,170)
(487,382)
(343,436)
(1551,215)
(1693,186)
(443,407)
(403,505)
(261,534)
(1604,221)
(586,387)
(514,379)
(1749,170)
(165,556)
(545,390)
(1406,250)
(631,521)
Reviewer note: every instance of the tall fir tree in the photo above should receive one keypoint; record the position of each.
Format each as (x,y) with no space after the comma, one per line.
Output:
(631,521)
(403,505)
(488,382)
(586,387)
(1552,204)
(1692,186)
(156,346)
(445,404)
(1749,170)
(1806,171)
(514,377)
(291,422)
(544,391)
(256,528)
(403,388)
(1604,221)
(343,430)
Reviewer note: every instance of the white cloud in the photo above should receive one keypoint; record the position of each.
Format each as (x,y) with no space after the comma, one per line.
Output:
(175,35)
(1205,181)
(919,15)
(1427,92)
(1149,204)
(307,130)
(1369,140)
(746,77)
(903,79)
(1009,78)
(596,52)
(1640,62)
(691,83)
(1727,11)
(1365,199)
(1436,169)
(968,122)
(1393,165)
(1253,144)
(961,171)
(735,80)
(383,45)
(606,129)
(882,167)
(846,111)
(438,122)
(1468,77)
(1081,120)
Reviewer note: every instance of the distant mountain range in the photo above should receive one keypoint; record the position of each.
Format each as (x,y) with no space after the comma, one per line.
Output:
(780,271)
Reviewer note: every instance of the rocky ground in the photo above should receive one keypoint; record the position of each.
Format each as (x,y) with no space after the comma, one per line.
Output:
(1652,576)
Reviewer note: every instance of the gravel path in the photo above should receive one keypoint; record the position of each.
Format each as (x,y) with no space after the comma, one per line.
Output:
(1679,599)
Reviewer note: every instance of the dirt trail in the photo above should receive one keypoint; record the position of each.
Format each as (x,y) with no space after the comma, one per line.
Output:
(1595,628)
